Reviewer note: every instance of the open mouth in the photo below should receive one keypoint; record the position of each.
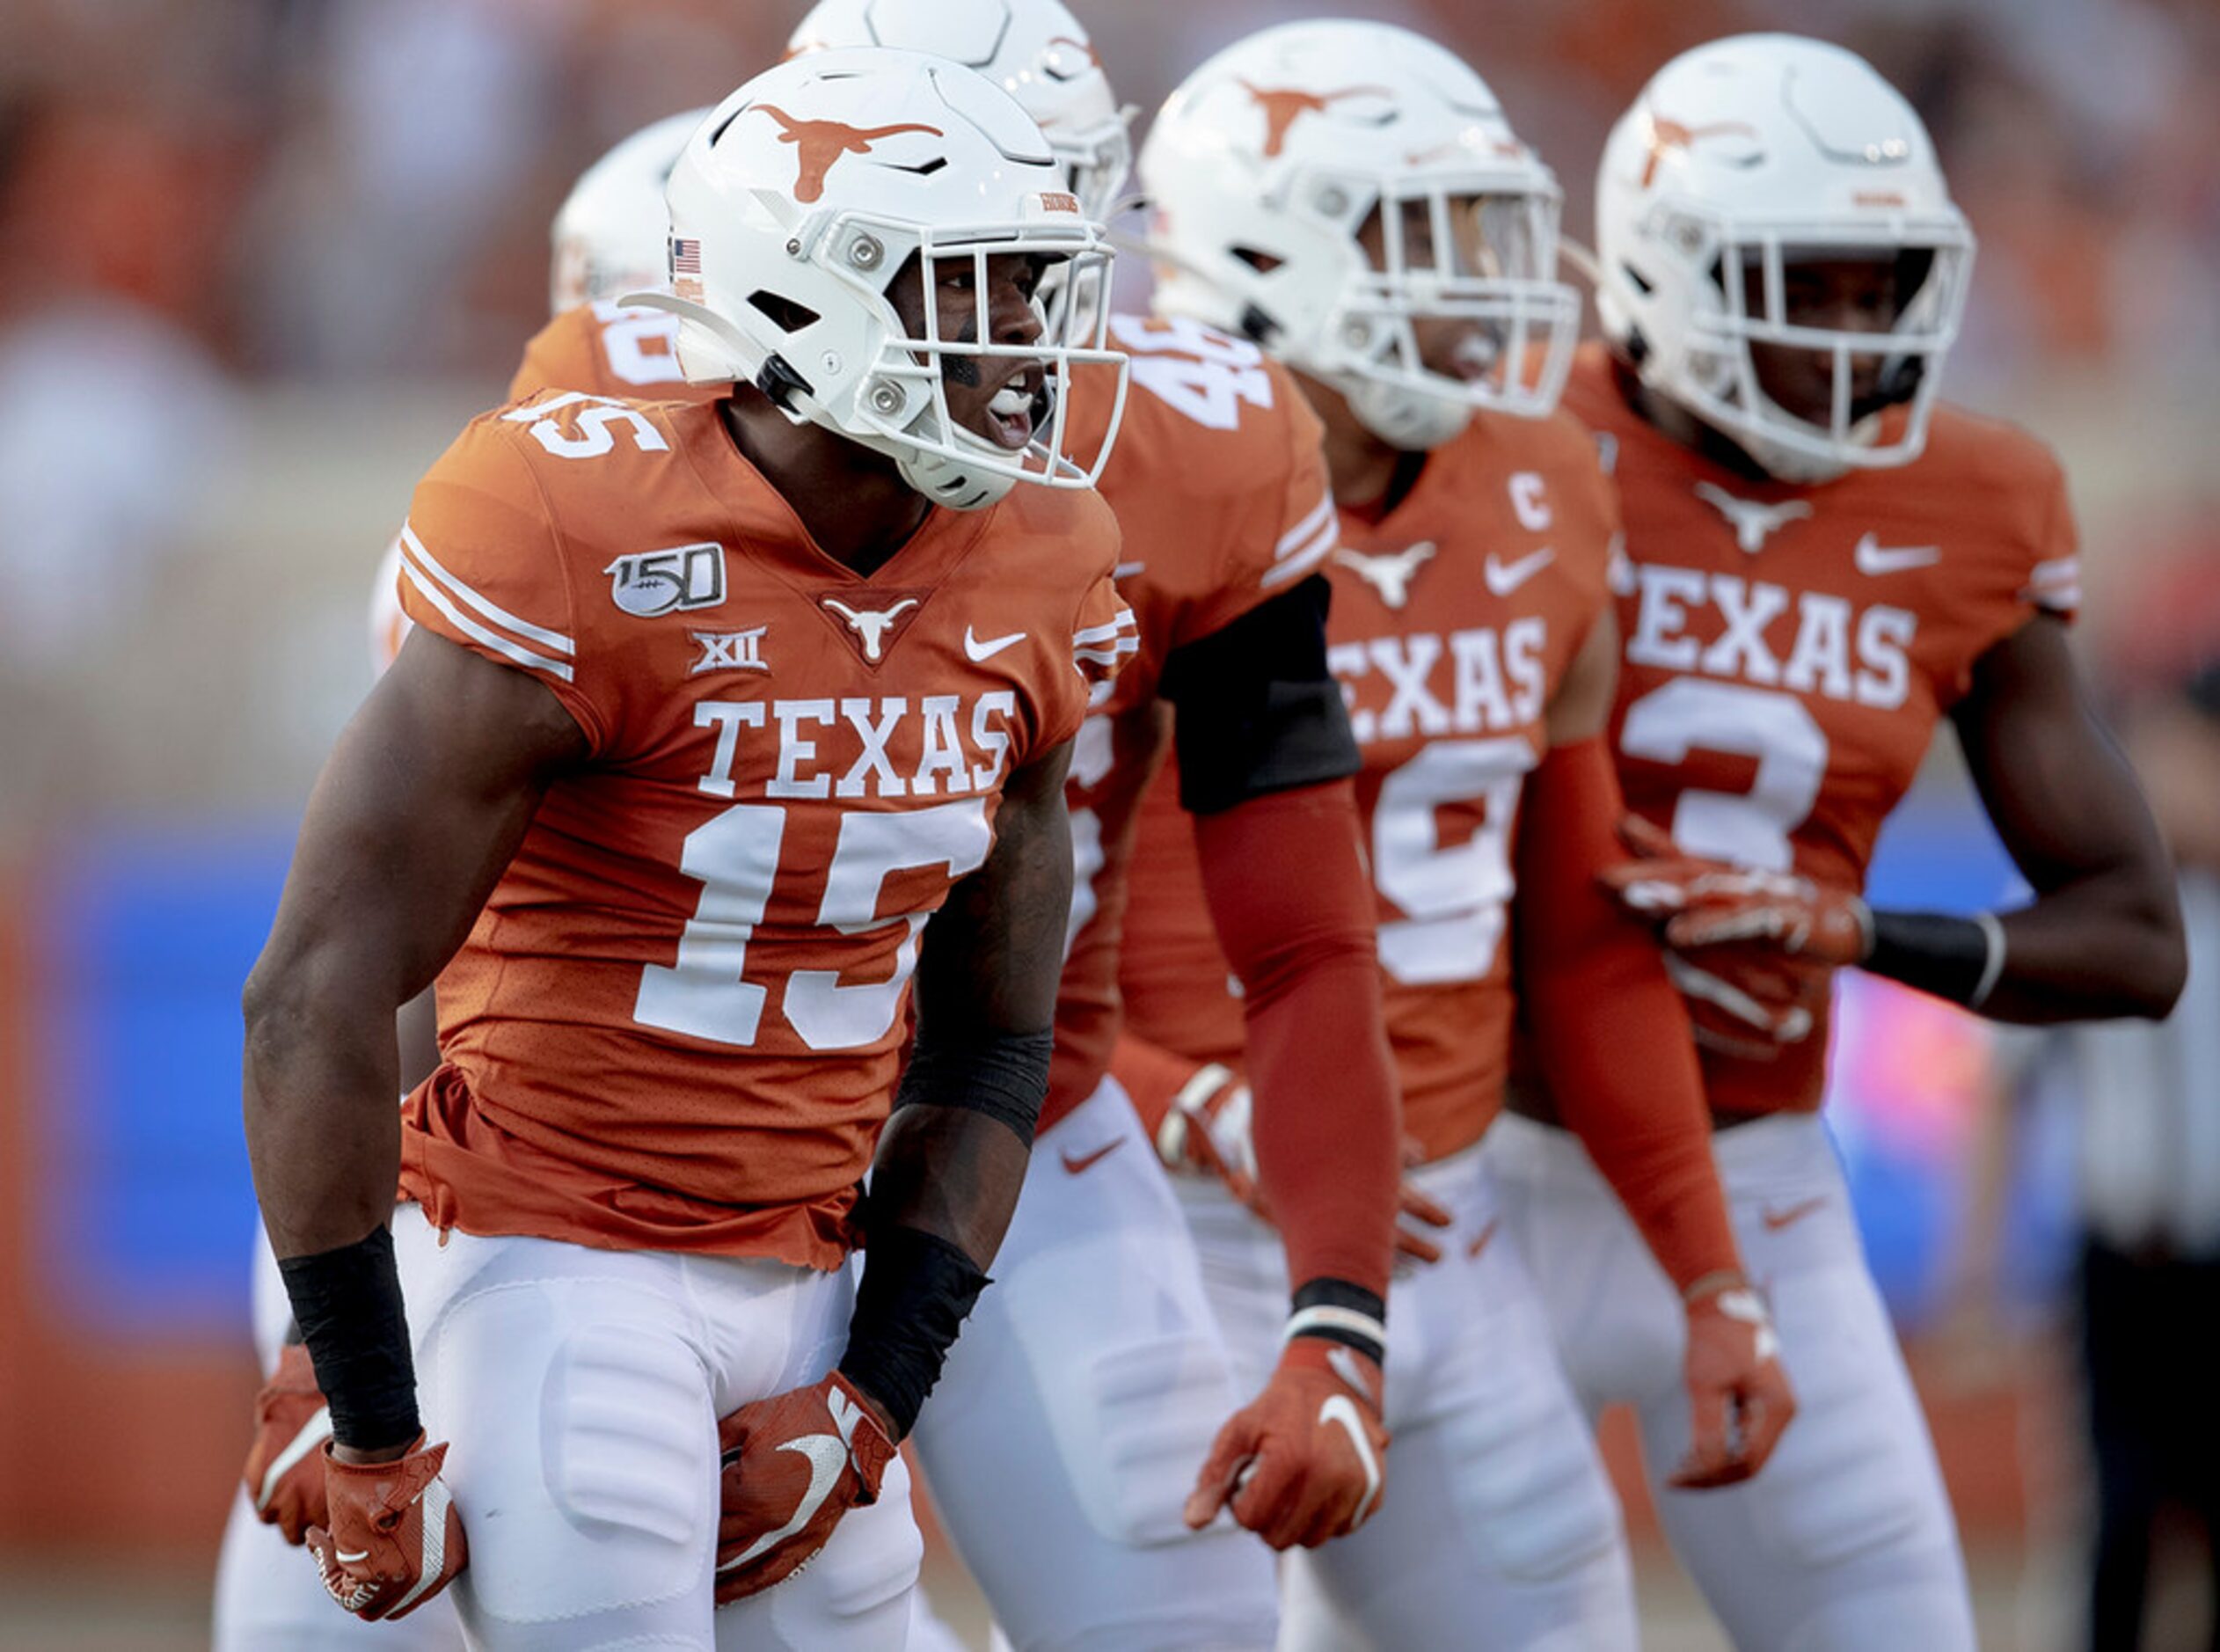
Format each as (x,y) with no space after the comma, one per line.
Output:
(1018,409)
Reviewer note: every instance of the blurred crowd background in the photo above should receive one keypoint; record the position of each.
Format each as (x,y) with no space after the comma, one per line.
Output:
(260,258)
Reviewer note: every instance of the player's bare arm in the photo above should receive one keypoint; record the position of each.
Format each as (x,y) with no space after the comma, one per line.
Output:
(987,977)
(2103,935)
(416,814)
(945,1181)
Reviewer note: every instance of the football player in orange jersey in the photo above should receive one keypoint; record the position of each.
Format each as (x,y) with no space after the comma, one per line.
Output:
(692,742)
(611,236)
(1822,562)
(1065,1446)
(1351,195)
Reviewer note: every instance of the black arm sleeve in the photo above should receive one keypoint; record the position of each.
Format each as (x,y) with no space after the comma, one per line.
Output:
(1257,710)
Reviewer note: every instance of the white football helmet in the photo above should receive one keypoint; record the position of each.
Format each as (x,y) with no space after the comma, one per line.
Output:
(1034,50)
(804,195)
(612,232)
(1750,155)
(1265,165)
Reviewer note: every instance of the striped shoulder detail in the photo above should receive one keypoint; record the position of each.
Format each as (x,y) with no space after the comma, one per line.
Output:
(483,620)
(1098,653)
(2055,586)
(1306,544)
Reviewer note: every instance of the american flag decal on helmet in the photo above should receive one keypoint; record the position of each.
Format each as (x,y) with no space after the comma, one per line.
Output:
(685,257)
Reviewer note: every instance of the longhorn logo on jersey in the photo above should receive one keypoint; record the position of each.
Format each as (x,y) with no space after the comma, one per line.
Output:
(872,630)
(1283,106)
(820,144)
(1753,521)
(1390,575)
(649,583)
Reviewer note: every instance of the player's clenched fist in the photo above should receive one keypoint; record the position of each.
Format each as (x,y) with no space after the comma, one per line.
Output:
(1304,1461)
(394,1539)
(795,1464)
(284,1473)
(1739,1397)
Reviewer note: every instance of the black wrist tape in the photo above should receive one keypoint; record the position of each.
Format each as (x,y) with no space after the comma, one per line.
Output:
(916,1292)
(1004,1077)
(1335,1310)
(347,1303)
(1946,956)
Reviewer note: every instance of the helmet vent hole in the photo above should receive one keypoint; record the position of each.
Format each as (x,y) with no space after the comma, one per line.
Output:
(783,313)
(1262,262)
(1636,279)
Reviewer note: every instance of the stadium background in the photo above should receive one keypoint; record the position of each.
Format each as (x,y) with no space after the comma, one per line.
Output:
(259,259)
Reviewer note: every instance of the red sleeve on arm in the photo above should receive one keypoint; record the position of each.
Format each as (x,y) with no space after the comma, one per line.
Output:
(1293,906)
(1610,1030)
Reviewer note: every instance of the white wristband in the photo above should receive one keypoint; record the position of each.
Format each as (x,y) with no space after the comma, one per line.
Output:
(1993,933)
(1326,1318)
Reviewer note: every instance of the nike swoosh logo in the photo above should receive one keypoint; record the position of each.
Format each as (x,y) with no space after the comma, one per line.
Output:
(1480,1240)
(1341,1412)
(991,646)
(1088,1161)
(826,1456)
(345,1559)
(1776,1220)
(1504,579)
(1875,558)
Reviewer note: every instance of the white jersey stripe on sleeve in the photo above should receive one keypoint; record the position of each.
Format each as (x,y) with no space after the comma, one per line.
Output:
(1301,533)
(486,608)
(1301,561)
(500,645)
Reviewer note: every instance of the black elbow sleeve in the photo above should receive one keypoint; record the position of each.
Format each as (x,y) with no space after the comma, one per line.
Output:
(1257,709)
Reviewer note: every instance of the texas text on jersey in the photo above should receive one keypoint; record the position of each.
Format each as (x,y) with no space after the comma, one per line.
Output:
(1454,620)
(1787,650)
(1221,495)
(675,1023)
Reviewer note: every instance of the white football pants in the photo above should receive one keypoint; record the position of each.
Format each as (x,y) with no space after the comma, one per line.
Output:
(1845,1541)
(1497,1528)
(1076,1409)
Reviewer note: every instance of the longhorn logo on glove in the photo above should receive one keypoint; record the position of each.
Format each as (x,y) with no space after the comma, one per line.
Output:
(822,142)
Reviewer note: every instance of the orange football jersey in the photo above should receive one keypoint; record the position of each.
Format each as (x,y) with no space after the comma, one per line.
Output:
(1220,490)
(1787,650)
(675,1025)
(602,349)
(612,350)
(1454,620)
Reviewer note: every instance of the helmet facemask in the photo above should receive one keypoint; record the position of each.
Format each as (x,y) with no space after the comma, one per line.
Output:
(1796,377)
(1451,306)
(953,367)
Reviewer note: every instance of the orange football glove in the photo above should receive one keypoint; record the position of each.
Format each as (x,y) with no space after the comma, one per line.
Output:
(1305,1460)
(1747,1001)
(1739,1397)
(1701,902)
(284,1473)
(394,1539)
(1206,1131)
(793,1464)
